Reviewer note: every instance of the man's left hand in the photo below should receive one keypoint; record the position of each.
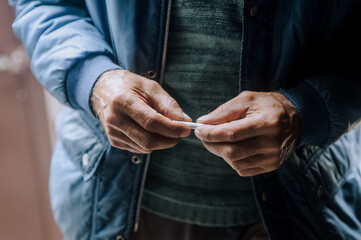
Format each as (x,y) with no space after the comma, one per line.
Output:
(254,132)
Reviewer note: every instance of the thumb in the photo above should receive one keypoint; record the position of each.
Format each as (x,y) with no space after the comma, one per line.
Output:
(227,112)
(167,105)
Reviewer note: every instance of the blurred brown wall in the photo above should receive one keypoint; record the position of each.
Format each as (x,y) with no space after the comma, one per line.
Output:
(25,149)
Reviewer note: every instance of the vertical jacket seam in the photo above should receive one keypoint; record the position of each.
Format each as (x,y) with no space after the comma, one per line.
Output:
(270,21)
(159,53)
(243,74)
(93,228)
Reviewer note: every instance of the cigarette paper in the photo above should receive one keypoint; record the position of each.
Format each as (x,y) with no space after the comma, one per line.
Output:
(192,125)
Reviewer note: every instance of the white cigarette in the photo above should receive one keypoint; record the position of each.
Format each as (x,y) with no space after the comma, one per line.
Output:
(192,125)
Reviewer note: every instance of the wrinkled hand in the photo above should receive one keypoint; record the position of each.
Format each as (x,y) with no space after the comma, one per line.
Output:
(136,113)
(257,131)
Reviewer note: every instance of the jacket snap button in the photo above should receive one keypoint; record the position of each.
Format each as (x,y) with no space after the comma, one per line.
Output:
(264,197)
(136,159)
(151,74)
(254,11)
(119,237)
(85,159)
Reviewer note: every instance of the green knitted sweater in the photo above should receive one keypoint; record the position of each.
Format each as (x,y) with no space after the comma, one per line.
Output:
(188,183)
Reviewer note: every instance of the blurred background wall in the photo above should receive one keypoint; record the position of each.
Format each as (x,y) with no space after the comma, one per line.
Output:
(26,140)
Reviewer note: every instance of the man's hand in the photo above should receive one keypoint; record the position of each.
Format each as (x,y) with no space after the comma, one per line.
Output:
(255,132)
(136,113)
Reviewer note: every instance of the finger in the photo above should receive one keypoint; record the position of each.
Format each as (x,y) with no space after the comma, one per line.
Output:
(250,172)
(121,145)
(232,110)
(146,141)
(244,149)
(235,131)
(165,104)
(268,162)
(148,118)
(116,137)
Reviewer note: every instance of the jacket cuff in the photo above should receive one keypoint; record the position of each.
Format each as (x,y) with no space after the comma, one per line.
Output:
(312,113)
(82,78)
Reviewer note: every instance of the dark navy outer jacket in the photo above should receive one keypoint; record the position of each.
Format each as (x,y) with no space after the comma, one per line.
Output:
(309,50)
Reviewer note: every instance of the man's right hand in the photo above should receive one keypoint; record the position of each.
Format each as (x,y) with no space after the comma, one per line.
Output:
(136,113)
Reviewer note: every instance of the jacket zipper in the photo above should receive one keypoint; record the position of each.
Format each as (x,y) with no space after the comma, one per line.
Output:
(136,224)
(161,77)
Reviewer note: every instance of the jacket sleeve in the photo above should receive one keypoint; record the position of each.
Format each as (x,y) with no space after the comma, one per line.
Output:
(328,104)
(328,95)
(66,50)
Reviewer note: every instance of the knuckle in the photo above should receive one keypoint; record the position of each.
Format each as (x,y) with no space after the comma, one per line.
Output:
(148,122)
(230,154)
(151,85)
(248,95)
(227,108)
(175,130)
(123,100)
(207,136)
(273,121)
(170,107)
(231,134)
(172,103)
(223,108)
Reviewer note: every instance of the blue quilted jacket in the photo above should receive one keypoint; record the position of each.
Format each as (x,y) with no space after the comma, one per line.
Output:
(309,50)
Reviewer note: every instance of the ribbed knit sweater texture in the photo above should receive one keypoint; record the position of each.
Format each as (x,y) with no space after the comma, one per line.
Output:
(188,183)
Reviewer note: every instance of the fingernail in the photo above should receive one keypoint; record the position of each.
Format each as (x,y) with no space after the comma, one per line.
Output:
(186,117)
(202,119)
(197,133)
